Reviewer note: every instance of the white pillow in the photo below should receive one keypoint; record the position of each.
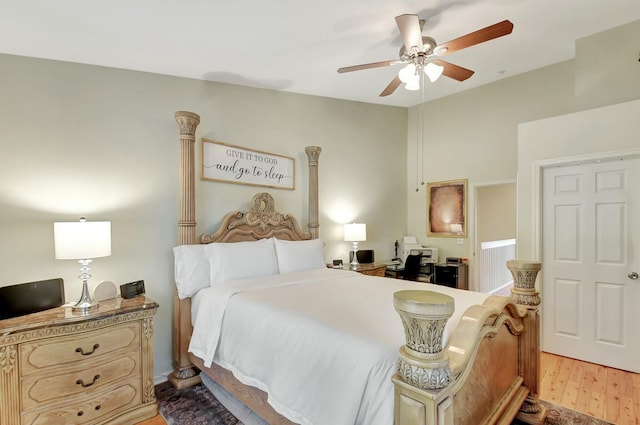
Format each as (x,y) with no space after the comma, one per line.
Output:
(191,269)
(241,260)
(297,256)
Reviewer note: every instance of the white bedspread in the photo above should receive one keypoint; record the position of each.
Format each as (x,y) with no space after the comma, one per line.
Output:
(322,344)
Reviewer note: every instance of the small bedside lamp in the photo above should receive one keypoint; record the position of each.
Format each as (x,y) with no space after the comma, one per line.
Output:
(82,240)
(355,232)
(456,228)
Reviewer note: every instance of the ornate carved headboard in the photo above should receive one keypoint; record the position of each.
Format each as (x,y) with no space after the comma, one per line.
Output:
(261,221)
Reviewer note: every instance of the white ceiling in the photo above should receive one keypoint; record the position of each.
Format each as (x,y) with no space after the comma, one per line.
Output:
(297,45)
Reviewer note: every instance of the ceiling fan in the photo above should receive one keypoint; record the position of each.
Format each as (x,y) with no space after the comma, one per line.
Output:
(421,53)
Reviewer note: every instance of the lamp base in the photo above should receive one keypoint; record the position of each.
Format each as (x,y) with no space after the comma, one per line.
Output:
(354,261)
(85,304)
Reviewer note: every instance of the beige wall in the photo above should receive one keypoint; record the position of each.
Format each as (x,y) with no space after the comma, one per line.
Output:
(610,131)
(495,207)
(84,140)
(609,67)
(474,134)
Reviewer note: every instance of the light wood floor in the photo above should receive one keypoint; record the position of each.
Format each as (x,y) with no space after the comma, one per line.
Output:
(599,391)
(602,392)
(157,420)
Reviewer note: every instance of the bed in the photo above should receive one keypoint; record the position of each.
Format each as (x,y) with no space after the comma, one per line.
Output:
(463,358)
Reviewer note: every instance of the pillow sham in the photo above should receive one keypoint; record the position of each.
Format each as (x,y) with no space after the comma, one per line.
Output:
(296,256)
(240,260)
(191,269)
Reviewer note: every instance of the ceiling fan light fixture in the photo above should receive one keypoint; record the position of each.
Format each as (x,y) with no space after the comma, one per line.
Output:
(433,71)
(413,85)
(417,51)
(408,74)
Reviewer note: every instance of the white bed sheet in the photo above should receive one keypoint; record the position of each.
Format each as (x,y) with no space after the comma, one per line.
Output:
(322,344)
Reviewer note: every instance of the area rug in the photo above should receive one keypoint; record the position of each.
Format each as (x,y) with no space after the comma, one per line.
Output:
(197,406)
(558,415)
(191,406)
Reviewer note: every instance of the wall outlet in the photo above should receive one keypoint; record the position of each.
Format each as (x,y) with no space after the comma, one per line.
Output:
(460,241)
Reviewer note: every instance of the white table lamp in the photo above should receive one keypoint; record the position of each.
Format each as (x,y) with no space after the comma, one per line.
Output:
(456,228)
(82,240)
(355,232)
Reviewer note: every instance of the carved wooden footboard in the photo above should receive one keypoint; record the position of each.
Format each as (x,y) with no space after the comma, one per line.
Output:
(463,384)
(486,374)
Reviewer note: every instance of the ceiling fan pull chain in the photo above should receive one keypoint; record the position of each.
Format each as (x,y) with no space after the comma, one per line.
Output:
(419,154)
(422,129)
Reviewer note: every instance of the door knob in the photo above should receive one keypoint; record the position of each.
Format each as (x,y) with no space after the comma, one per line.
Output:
(633,276)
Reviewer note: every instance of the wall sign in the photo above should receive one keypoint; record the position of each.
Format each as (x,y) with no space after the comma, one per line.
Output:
(233,164)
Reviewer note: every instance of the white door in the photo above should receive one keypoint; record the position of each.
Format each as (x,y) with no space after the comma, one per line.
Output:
(591,258)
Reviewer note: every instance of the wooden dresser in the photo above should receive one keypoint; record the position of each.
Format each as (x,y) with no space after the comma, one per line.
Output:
(60,368)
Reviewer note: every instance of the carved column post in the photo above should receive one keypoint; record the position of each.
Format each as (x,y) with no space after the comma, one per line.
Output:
(423,369)
(148,392)
(313,153)
(424,314)
(184,373)
(188,122)
(524,293)
(9,381)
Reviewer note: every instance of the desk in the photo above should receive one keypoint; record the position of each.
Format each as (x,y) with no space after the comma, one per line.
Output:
(424,275)
(395,272)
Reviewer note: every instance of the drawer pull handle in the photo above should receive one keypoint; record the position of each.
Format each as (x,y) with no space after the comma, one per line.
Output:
(81,382)
(81,351)
(80,413)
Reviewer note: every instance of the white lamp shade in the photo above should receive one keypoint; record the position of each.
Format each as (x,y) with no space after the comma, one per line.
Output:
(456,228)
(355,232)
(413,85)
(433,71)
(80,240)
(408,74)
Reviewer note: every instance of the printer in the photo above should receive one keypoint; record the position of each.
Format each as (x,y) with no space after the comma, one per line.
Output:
(410,246)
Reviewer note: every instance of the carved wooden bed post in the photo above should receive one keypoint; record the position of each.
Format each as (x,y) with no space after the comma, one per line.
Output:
(184,373)
(524,293)
(423,366)
(313,153)
(187,121)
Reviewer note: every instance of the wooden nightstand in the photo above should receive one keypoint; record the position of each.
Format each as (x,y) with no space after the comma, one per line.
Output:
(371,269)
(59,368)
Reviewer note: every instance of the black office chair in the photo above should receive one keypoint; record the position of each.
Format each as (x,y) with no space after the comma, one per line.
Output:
(411,267)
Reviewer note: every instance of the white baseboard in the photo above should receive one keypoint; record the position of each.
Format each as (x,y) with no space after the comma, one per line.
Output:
(163,377)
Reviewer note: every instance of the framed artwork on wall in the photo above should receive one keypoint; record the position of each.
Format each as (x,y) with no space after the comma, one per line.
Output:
(447,209)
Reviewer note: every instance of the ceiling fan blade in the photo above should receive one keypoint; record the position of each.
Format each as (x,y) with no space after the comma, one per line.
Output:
(409,26)
(369,65)
(454,71)
(393,85)
(476,37)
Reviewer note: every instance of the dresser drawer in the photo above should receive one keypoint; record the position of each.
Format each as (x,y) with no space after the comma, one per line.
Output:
(43,389)
(58,351)
(89,409)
